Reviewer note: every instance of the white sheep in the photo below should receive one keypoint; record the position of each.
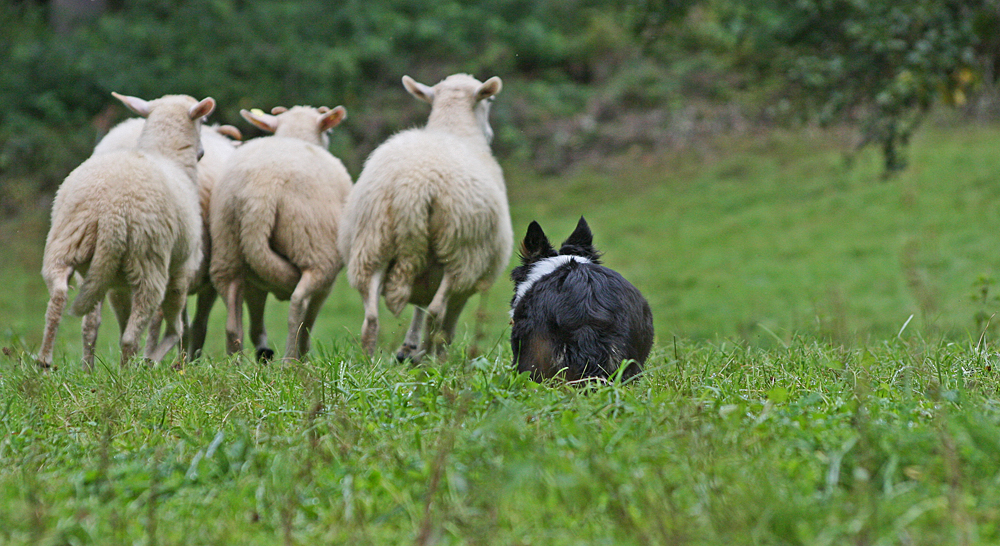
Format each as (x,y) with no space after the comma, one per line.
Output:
(218,143)
(274,221)
(427,222)
(129,222)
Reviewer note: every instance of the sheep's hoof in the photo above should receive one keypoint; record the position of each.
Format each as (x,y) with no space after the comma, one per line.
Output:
(45,365)
(265,354)
(409,352)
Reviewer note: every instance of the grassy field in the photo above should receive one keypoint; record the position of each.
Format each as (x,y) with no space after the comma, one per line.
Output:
(823,374)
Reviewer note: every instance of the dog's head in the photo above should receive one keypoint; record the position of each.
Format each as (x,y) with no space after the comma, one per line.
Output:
(536,247)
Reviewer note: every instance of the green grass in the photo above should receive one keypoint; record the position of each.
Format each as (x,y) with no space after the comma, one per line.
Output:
(784,403)
(893,444)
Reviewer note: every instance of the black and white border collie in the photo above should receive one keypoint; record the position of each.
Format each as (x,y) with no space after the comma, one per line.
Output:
(573,317)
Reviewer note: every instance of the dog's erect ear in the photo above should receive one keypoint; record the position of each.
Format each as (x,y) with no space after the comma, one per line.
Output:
(581,243)
(535,241)
(581,236)
(536,244)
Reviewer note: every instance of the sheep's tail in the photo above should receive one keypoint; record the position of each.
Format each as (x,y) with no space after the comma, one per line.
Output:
(271,267)
(412,248)
(399,286)
(109,251)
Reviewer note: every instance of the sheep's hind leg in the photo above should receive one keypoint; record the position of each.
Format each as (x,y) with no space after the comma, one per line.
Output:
(173,315)
(145,301)
(409,350)
(303,308)
(233,295)
(121,304)
(58,284)
(436,315)
(370,295)
(91,325)
(155,324)
(438,338)
(311,313)
(199,326)
(455,305)
(256,298)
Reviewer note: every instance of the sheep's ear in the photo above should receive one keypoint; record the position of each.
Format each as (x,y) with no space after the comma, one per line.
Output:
(489,88)
(134,104)
(419,90)
(332,118)
(204,107)
(535,243)
(259,119)
(278,110)
(581,242)
(229,131)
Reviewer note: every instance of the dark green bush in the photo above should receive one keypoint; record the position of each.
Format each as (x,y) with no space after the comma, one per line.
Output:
(554,55)
(584,78)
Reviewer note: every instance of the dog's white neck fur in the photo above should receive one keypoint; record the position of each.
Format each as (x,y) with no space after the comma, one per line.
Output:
(539,270)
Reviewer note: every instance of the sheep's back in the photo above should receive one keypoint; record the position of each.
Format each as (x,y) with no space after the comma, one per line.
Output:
(457,181)
(124,136)
(150,194)
(445,161)
(298,186)
(123,182)
(463,181)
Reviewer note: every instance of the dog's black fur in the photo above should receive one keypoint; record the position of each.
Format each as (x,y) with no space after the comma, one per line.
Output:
(582,319)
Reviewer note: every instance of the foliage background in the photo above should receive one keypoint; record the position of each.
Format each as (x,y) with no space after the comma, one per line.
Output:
(585,78)
(55,87)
